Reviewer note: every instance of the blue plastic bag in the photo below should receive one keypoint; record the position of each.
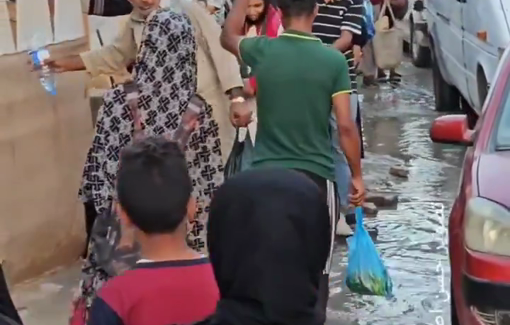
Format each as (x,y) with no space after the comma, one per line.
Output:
(366,273)
(369,19)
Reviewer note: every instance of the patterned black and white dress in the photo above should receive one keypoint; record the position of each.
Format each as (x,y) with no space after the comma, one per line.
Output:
(166,73)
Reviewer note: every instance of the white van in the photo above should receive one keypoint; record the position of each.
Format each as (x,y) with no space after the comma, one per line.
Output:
(415,33)
(467,40)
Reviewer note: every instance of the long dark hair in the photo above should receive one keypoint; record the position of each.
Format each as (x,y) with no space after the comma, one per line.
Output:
(262,16)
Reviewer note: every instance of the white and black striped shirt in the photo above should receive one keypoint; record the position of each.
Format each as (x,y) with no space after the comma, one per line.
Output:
(334,17)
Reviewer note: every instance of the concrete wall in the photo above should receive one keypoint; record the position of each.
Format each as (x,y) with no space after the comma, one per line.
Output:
(43,141)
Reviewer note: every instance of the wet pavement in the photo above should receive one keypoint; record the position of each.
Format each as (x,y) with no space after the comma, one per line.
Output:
(410,237)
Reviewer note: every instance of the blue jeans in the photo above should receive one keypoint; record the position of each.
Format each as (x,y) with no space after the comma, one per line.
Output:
(342,170)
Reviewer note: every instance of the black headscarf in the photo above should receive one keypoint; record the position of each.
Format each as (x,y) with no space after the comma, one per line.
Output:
(269,237)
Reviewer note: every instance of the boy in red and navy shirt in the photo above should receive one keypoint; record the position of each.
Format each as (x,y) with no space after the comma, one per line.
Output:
(172,284)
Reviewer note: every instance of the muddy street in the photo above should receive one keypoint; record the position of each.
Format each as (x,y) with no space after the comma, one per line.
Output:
(411,237)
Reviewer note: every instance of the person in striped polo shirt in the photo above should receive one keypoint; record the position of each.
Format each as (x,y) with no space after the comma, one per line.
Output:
(337,24)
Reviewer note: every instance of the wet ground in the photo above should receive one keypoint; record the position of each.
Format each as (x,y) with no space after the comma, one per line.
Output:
(410,237)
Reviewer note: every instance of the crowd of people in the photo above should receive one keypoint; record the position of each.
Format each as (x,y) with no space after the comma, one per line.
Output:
(169,240)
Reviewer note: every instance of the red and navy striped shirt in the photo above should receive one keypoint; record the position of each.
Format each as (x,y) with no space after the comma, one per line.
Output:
(157,293)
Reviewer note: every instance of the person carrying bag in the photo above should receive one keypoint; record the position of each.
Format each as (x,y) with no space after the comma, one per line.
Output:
(241,155)
(387,41)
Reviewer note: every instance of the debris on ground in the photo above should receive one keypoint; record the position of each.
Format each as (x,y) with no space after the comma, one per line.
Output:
(399,171)
(370,209)
(382,200)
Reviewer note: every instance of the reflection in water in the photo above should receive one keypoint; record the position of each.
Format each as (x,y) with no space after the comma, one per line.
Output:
(413,238)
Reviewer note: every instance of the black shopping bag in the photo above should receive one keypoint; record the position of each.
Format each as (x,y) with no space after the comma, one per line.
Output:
(241,155)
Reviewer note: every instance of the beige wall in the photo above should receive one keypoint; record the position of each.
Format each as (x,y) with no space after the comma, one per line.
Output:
(43,144)
(43,139)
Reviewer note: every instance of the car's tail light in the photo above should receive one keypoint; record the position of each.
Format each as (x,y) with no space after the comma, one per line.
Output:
(487,227)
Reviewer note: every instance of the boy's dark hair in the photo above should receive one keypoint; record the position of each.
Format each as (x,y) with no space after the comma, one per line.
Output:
(296,8)
(153,185)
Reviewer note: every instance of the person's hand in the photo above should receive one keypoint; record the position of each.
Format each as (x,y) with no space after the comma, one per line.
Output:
(357,196)
(358,54)
(55,65)
(247,88)
(240,114)
(212,9)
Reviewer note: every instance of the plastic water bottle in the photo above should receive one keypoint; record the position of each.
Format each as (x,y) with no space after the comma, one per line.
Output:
(46,76)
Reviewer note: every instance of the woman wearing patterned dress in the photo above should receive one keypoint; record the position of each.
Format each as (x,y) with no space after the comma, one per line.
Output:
(165,73)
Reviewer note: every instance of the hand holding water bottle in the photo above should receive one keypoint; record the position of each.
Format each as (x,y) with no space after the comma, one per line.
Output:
(38,55)
(65,64)
(46,75)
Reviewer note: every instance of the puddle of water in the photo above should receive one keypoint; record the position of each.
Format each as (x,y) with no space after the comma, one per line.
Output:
(411,239)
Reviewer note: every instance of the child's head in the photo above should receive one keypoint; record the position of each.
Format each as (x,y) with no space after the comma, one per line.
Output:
(145,7)
(154,187)
(294,10)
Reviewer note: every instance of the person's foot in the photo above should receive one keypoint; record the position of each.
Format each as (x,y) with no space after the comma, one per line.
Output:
(395,77)
(369,81)
(342,228)
(350,219)
(381,75)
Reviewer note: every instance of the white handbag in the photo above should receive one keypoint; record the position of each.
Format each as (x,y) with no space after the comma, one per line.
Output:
(388,48)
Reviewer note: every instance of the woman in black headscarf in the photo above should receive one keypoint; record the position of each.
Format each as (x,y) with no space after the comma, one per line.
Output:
(269,239)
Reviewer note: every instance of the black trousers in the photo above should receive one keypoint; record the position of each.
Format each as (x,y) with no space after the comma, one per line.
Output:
(359,123)
(322,302)
(90,218)
(8,313)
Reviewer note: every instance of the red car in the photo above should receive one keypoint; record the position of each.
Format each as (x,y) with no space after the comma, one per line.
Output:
(479,223)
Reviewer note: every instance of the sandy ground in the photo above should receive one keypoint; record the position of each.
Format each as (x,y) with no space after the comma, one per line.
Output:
(46,300)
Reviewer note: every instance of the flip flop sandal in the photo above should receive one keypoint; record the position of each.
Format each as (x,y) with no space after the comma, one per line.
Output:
(383,79)
(395,77)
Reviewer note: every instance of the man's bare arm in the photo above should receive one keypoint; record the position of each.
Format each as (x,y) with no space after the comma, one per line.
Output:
(344,42)
(108,59)
(69,63)
(232,32)
(348,133)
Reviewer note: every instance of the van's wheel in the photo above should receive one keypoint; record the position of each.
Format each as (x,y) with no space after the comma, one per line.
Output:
(453,309)
(471,115)
(420,54)
(447,97)
(483,86)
